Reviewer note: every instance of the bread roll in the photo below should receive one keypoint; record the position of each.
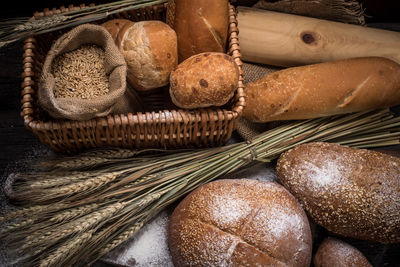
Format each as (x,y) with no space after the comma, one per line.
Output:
(335,253)
(239,223)
(351,192)
(150,51)
(203,80)
(114,26)
(324,89)
(201,26)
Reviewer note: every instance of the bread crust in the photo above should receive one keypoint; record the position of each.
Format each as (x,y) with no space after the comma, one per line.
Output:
(334,252)
(203,80)
(351,192)
(150,50)
(239,223)
(114,26)
(324,89)
(201,26)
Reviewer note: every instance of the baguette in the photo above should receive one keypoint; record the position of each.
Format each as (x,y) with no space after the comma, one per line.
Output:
(200,25)
(324,89)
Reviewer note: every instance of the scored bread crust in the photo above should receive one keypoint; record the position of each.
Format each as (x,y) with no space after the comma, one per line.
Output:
(201,26)
(239,223)
(203,80)
(324,89)
(351,192)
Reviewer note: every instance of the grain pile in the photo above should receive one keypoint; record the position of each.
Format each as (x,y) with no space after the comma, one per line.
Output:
(80,73)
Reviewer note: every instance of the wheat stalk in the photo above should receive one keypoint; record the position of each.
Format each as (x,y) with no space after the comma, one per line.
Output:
(26,212)
(85,186)
(59,181)
(67,250)
(74,213)
(38,181)
(125,235)
(69,191)
(20,28)
(16,226)
(75,163)
(147,184)
(43,240)
(112,153)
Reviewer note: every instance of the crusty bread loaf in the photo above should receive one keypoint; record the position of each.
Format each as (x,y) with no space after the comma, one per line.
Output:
(150,51)
(336,253)
(351,192)
(324,89)
(203,80)
(239,223)
(201,26)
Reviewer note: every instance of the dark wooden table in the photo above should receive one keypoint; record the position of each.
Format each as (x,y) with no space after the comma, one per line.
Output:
(18,145)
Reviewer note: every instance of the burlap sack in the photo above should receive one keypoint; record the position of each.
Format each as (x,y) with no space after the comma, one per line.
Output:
(116,101)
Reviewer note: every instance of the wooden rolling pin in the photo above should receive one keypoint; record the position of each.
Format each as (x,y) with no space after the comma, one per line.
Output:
(286,40)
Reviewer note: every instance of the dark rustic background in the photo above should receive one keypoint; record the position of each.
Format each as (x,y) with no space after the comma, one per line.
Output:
(17,144)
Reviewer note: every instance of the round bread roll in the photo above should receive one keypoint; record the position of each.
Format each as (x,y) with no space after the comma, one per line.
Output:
(239,223)
(335,253)
(114,26)
(351,192)
(149,48)
(203,80)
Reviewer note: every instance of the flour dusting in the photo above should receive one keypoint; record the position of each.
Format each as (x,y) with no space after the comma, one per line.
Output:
(229,210)
(282,222)
(328,174)
(149,247)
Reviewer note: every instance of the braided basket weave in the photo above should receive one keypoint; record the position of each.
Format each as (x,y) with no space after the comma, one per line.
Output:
(159,127)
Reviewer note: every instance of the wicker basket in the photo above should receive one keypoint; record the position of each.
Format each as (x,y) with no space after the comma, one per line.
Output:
(161,127)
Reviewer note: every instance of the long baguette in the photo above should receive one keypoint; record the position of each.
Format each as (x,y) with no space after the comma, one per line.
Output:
(324,89)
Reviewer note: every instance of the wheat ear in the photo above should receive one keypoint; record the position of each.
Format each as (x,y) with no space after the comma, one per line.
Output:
(43,23)
(26,212)
(74,213)
(16,226)
(76,163)
(62,254)
(75,189)
(48,238)
(128,233)
(60,180)
(117,153)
